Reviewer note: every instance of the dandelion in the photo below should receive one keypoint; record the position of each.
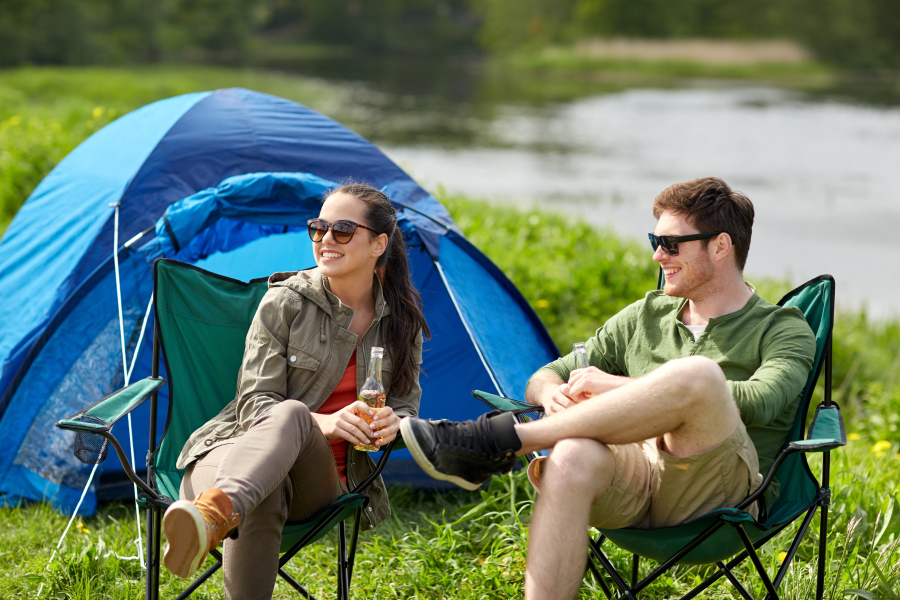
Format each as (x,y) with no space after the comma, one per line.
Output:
(80,527)
(880,447)
(853,436)
(97,112)
(543,303)
(782,556)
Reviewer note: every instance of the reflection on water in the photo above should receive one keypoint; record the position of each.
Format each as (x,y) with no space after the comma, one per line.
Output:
(821,171)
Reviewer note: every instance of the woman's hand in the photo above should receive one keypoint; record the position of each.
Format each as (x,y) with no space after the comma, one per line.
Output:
(344,424)
(386,426)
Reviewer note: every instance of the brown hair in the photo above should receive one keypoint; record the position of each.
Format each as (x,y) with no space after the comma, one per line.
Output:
(710,205)
(400,294)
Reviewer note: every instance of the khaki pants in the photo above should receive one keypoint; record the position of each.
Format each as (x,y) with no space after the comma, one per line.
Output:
(280,471)
(653,489)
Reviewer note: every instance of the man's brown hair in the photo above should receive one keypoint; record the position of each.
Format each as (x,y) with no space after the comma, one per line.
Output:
(710,205)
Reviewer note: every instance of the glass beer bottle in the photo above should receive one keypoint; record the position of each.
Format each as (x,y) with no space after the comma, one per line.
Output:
(372,393)
(580,356)
(581,361)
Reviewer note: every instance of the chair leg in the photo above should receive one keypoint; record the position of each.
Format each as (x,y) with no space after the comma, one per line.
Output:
(152,592)
(754,557)
(293,583)
(635,565)
(157,554)
(199,581)
(823,546)
(598,576)
(353,538)
(734,581)
(343,583)
(611,570)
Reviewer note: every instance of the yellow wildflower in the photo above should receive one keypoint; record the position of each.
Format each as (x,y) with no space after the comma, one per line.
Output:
(80,527)
(97,112)
(853,436)
(543,303)
(782,556)
(880,447)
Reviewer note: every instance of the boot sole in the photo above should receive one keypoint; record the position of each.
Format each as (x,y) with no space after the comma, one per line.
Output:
(413,446)
(186,533)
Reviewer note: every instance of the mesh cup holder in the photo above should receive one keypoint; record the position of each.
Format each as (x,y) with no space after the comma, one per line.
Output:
(527,415)
(90,448)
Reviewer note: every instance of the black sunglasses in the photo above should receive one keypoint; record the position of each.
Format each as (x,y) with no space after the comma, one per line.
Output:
(670,243)
(341,231)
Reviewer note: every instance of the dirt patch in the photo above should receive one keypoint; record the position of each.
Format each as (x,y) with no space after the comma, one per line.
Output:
(717,52)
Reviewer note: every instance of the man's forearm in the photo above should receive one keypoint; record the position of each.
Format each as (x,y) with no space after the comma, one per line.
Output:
(542,384)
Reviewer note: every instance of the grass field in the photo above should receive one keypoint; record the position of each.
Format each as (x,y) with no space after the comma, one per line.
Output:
(457,544)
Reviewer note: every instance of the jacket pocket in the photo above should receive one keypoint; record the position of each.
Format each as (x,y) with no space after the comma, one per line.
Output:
(301,367)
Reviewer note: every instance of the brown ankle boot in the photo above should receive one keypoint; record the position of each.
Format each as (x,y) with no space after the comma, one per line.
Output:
(194,528)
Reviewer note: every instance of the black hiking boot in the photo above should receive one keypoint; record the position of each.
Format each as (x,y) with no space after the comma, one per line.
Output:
(466,453)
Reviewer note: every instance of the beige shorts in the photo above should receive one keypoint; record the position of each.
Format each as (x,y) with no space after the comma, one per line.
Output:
(653,489)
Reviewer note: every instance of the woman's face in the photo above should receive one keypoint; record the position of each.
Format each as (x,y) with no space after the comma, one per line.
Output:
(357,257)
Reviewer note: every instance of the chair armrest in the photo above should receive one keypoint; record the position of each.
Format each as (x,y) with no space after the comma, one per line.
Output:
(104,413)
(505,404)
(98,420)
(828,428)
(826,432)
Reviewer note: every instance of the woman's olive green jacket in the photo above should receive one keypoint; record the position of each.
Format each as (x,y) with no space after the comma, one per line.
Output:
(298,348)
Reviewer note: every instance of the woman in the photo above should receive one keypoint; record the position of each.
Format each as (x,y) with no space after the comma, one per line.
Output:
(282,449)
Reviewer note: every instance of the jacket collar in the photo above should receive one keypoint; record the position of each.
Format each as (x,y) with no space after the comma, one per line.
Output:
(311,284)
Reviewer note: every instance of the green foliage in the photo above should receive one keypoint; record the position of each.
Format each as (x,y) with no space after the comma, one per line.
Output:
(857,34)
(574,276)
(47,112)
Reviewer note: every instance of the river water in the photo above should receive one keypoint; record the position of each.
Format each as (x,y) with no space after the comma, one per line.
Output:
(822,172)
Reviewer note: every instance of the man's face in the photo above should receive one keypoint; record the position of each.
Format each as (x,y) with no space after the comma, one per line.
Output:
(690,274)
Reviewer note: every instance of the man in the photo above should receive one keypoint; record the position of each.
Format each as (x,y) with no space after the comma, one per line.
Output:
(689,395)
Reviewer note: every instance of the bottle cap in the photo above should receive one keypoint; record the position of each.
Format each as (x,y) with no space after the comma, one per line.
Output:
(377,352)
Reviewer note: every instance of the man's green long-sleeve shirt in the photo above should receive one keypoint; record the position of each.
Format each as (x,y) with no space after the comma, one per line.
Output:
(765,351)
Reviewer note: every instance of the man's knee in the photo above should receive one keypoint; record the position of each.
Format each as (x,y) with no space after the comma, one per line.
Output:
(579,465)
(698,380)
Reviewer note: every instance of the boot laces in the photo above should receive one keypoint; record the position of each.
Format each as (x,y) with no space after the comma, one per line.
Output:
(471,435)
(212,516)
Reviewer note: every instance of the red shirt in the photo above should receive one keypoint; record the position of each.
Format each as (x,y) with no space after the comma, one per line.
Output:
(343,395)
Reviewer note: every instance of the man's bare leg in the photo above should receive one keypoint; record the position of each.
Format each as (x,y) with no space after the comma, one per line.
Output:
(686,401)
(577,473)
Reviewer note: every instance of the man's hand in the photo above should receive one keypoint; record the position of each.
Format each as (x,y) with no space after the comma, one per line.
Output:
(590,382)
(543,390)
(556,402)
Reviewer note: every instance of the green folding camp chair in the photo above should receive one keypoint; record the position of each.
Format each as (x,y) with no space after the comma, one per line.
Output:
(727,536)
(201,325)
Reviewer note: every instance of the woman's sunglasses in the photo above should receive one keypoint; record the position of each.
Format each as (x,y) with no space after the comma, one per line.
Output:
(341,231)
(670,243)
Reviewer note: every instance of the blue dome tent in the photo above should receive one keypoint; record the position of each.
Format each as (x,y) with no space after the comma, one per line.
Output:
(225,180)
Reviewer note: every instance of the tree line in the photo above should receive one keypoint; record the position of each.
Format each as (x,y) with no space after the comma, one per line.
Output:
(857,34)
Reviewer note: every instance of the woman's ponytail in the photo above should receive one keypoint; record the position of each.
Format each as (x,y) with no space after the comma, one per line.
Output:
(392,268)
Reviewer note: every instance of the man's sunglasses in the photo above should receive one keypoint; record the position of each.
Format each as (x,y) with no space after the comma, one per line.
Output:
(670,243)
(341,231)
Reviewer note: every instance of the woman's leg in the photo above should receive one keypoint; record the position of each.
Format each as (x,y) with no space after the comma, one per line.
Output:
(284,456)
